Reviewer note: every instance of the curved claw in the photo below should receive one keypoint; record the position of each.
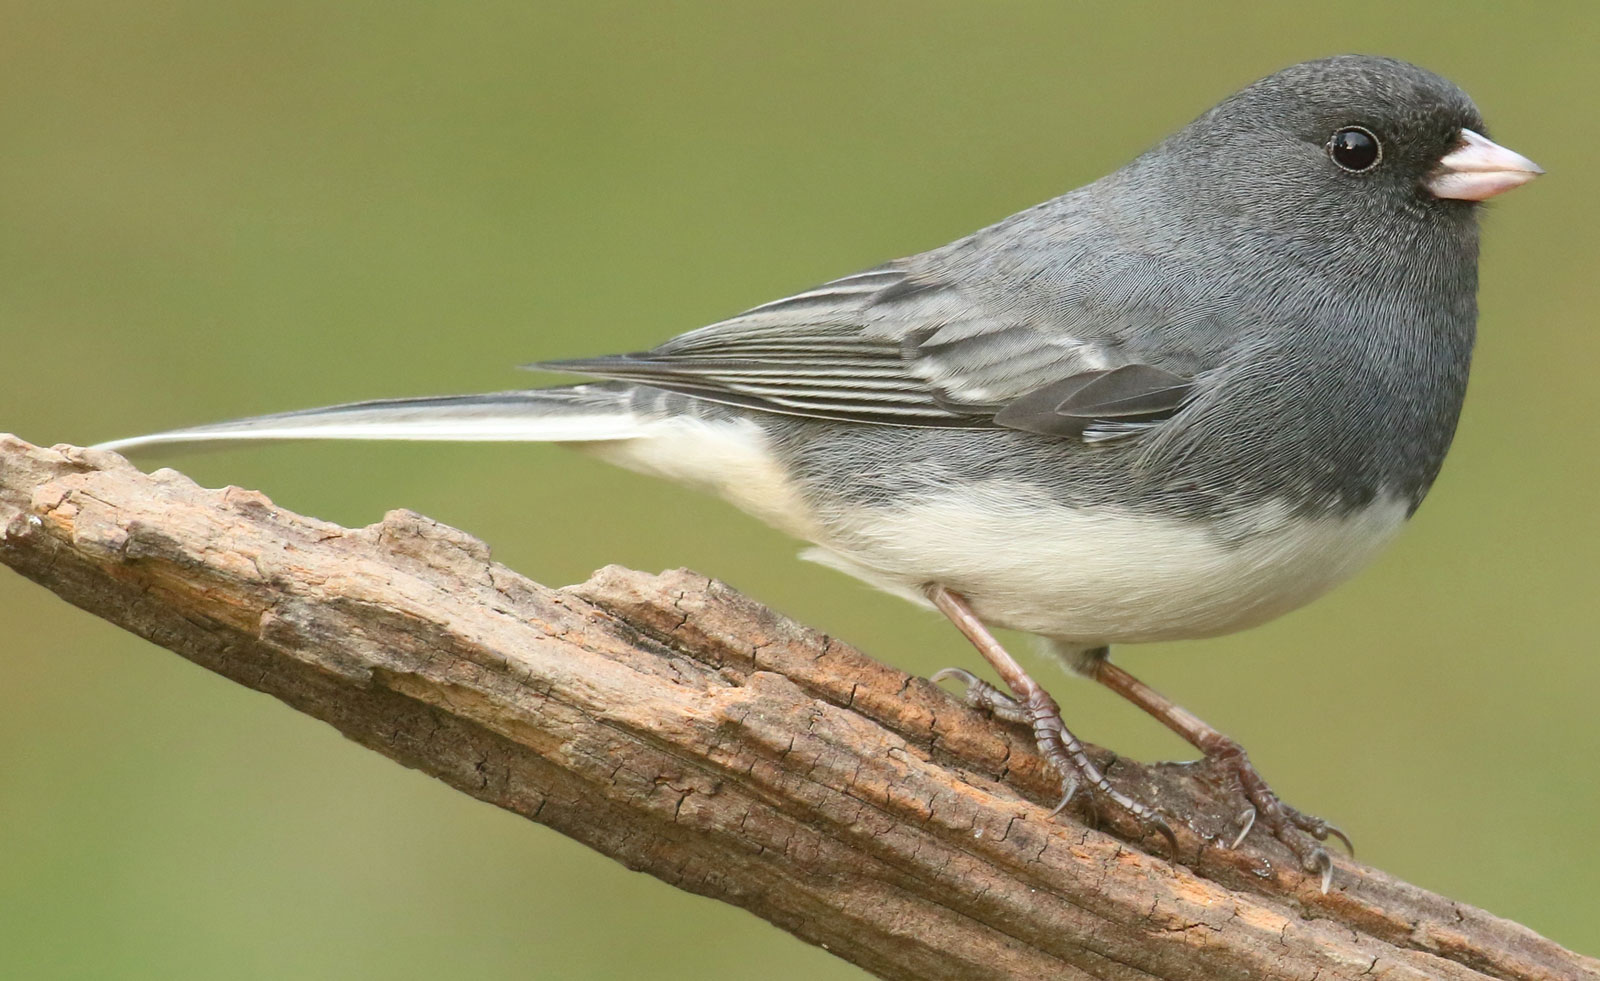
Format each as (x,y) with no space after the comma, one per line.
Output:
(1165,830)
(1318,828)
(1070,783)
(1062,805)
(1344,839)
(1320,859)
(962,675)
(1247,820)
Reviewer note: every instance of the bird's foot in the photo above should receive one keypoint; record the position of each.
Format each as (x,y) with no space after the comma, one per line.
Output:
(1301,833)
(1060,749)
(984,697)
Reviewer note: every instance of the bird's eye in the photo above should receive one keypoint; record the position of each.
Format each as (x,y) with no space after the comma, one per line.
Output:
(1355,149)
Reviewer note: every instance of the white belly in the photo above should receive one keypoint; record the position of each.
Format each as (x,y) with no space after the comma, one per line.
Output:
(1086,578)
(1091,578)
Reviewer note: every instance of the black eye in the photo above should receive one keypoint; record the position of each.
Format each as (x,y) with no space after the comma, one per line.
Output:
(1355,149)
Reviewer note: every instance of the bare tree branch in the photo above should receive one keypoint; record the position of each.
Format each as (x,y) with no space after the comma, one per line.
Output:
(691,733)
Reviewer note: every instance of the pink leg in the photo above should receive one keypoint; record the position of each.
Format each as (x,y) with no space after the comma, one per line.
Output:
(1288,825)
(1034,707)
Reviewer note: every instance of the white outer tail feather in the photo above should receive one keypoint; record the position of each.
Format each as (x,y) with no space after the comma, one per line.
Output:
(729,456)
(465,419)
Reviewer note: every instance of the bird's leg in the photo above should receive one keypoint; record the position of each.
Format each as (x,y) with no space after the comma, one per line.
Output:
(1286,824)
(1034,707)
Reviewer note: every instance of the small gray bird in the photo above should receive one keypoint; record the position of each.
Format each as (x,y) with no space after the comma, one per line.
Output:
(1176,402)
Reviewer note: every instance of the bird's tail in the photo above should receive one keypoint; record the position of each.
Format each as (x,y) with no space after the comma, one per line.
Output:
(576,413)
(691,441)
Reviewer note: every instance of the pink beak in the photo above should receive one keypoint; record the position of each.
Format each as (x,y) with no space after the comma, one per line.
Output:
(1480,168)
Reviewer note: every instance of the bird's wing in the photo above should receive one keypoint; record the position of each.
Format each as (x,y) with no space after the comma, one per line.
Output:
(890,346)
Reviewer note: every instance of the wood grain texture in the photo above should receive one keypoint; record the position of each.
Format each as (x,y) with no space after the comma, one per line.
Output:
(689,732)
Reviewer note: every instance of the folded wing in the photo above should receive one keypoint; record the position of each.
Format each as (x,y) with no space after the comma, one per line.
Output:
(898,347)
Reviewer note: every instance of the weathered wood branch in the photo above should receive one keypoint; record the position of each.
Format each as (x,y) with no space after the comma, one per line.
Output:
(691,733)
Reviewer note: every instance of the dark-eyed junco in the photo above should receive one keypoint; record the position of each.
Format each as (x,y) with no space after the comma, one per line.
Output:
(1176,402)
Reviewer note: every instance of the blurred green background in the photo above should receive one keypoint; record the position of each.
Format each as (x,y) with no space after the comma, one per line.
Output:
(211,209)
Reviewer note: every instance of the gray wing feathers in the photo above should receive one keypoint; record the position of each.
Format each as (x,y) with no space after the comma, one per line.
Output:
(905,346)
(811,354)
(1114,402)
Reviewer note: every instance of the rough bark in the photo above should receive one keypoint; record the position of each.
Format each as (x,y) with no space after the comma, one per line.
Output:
(691,733)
